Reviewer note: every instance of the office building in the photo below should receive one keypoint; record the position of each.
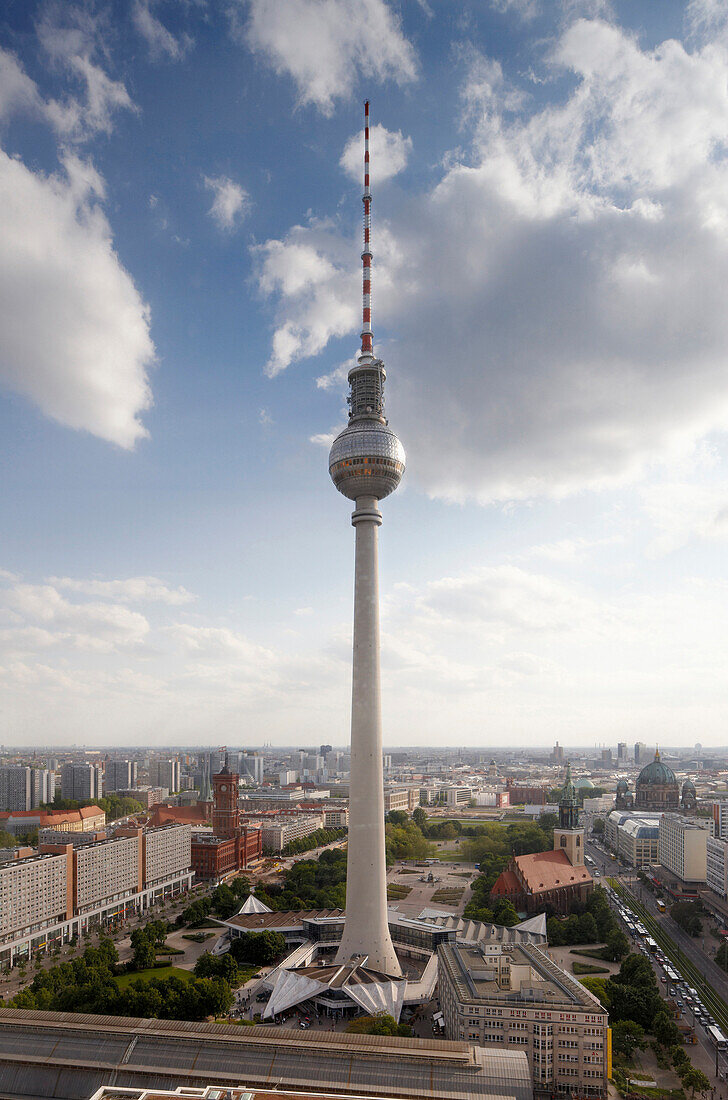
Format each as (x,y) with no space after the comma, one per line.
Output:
(557,755)
(606,758)
(622,752)
(642,752)
(396,798)
(82,782)
(66,889)
(515,998)
(146,796)
(281,830)
(720,820)
(634,836)
(716,865)
(682,847)
(251,767)
(120,775)
(458,796)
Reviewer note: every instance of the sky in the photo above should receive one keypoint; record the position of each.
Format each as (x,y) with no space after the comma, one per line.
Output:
(180,238)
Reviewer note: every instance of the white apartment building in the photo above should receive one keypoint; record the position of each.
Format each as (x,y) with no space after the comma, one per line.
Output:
(33,891)
(720,820)
(49,898)
(120,775)
(513,996)
(165,851)
(716,853)
(15,789)
(683,848)
(107,870)
(165,773)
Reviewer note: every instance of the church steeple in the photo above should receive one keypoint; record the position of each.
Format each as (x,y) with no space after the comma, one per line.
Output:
(569,804)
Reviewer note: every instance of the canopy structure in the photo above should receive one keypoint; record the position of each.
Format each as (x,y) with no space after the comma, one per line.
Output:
(253,905)
(373,991)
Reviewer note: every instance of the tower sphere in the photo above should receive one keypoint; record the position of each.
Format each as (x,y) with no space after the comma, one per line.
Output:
(366,459)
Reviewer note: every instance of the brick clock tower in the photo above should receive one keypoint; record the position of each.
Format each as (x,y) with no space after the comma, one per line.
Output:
(225,812)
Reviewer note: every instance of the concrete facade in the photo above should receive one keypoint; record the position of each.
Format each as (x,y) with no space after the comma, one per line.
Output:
(515,997)
(682,847)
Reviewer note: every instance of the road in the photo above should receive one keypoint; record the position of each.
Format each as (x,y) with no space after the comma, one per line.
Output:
(705,1057)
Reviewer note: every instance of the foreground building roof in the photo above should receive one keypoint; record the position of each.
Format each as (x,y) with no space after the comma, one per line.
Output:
(69,1057)
(371,990)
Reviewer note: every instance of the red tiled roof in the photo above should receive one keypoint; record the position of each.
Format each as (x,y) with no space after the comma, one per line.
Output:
(182,815)
(507,883)
(550,871)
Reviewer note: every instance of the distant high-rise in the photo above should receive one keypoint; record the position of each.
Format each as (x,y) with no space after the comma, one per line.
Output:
(251,767)
(641,753)
(82,782)
(557,754)
(120,775)
(15,789)
(622,751)
(607,757)
(165,773)
(366,464)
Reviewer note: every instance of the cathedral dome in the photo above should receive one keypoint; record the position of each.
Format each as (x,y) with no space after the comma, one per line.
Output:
(622,786)
(584,784)
(688,785)
(656,774)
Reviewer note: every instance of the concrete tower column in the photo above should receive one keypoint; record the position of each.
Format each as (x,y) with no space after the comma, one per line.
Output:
(366,931)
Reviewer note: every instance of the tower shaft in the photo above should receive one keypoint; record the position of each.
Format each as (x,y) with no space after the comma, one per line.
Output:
(366,931)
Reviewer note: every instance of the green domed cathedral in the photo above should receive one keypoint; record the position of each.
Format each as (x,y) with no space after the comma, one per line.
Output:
(657,788)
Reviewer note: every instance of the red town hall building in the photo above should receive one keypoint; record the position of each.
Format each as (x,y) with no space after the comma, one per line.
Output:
(232,845)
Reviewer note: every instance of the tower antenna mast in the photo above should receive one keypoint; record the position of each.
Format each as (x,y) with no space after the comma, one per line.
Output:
(367,337)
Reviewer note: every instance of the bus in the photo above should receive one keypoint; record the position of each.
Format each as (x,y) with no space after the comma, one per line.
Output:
(718,1038)
(661,906)
(589,860)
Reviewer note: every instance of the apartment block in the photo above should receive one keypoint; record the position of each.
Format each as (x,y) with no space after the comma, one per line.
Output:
(65,889)
(34,891)
(165,851)
(281,830)
(683,847)
(82,781)
(512,996)
(720,820)
(165,773)
(147,796)
(15,788)
(120,775)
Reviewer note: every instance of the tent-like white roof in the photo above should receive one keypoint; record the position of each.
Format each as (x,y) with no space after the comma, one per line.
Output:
(253,905)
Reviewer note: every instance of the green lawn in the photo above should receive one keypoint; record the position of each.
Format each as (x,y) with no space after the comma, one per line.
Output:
(154,972)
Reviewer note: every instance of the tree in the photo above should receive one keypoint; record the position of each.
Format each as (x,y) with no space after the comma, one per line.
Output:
(721,956)
(679,1057)
(419,816)
(218,966)
(396,817)
(258,948)
(7,840)
(382,1024)
(504,913)
(627,1037)
(617,945)
(144,955)
(665,1030)
(597,986)
(694,1079)
(687,915)
(598,826)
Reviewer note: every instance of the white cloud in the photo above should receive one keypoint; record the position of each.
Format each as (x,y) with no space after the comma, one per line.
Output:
(574,332)
(74,331)
(72,37)
(131,590)
(325,45)
(160,40)
(17,91)
(230,203)
(524,9)
(681,512)
(101,627)
(389,152)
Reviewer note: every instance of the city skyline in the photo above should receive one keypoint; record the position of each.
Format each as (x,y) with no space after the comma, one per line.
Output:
(551,217)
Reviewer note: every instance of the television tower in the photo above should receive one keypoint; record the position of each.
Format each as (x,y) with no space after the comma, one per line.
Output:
(366,464)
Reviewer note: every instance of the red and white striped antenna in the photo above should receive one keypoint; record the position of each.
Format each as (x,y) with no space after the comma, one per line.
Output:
(367,338)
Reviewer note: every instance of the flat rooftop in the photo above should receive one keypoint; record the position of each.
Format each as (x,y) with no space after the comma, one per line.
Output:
(546,983)
(70,1056)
